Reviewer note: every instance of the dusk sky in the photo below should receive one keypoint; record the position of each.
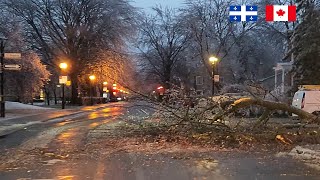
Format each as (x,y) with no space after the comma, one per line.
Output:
(147,4)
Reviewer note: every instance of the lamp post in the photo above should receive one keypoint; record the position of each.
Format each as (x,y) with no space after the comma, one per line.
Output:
(63,67)
(213,60)
(92,78)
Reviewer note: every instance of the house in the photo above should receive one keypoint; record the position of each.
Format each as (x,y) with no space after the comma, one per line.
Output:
(283,79)
(201,80)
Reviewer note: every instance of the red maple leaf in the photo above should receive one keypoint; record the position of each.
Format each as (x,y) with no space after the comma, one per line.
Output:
(280,12)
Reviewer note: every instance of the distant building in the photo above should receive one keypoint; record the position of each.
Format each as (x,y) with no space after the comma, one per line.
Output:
(200,80)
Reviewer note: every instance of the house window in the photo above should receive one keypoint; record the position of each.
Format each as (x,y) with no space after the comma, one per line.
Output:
(199,80)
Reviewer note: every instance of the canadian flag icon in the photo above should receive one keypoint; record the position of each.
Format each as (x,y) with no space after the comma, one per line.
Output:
(281,13)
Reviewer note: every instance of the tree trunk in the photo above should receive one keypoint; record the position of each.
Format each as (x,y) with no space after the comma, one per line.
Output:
(245,102)
(48,97)
(55,96)
(74,89)
(167,77)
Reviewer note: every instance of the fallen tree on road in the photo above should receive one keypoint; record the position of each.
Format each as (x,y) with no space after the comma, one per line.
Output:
(269,106)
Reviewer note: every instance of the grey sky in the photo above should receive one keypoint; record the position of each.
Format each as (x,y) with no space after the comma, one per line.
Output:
(147,4)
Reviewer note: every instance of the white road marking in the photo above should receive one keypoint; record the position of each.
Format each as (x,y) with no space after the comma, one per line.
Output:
(144,111)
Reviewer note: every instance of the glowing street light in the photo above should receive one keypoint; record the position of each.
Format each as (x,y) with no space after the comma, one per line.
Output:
(92,77)
(63,65)
(105,83)
(213,60)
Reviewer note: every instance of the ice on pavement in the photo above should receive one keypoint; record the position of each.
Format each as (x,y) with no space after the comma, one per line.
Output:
(15,105)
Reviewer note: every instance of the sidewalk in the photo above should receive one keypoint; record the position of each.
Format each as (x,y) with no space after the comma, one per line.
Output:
(18,118)
(17,110)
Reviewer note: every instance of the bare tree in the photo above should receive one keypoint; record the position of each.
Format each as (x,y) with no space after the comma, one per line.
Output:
(246,50)
(162,43)
(212,32)
(74,30)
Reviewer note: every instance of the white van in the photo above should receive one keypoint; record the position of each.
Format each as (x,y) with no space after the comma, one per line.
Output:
(307,98)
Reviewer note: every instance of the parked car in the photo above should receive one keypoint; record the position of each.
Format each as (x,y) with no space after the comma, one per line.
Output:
(307,98)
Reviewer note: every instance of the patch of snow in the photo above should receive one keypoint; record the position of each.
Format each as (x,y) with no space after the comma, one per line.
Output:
(53,161)
(309,154)
(15,105)
(305,153)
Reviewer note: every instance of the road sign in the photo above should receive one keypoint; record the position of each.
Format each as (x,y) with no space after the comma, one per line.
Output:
(12,55)
(68,83)
(216,78)
(63,79)
(12,67)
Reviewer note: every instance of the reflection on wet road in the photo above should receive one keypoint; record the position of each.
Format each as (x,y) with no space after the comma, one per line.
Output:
(74,139)
(58,151)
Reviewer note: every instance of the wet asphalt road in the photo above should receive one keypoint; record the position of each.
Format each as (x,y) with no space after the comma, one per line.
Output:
(55,150)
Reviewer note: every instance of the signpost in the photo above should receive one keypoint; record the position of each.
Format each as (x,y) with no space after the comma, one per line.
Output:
(63,80)
(216,78)
(2,102)
(12,67)
(12,55)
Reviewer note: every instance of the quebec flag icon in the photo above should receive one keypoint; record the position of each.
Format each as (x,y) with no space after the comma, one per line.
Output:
(243,13)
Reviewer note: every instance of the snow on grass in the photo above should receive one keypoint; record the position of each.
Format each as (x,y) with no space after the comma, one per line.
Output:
(15,105)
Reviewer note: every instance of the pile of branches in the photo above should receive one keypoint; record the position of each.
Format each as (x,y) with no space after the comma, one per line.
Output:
(213,119)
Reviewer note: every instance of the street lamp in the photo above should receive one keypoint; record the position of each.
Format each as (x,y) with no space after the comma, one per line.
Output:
(213,60)
(63,66)
(92,78)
